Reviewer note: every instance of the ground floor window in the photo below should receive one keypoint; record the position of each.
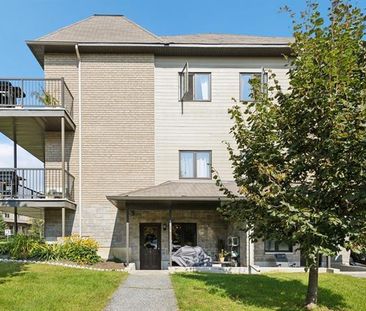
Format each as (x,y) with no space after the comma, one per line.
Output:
(184,234)
(277,246)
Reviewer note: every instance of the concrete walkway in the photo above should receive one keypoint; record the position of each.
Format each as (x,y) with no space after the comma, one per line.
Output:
(144,290)
(355,274)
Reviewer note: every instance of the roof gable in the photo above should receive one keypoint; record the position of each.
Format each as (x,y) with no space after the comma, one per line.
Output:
(102,29)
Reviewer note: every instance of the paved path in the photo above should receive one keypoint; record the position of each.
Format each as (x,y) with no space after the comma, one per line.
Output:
(144,290)
(355,274)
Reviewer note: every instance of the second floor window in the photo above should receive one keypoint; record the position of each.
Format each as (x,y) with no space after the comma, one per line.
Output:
(195,164)
(246,89)
(199,86)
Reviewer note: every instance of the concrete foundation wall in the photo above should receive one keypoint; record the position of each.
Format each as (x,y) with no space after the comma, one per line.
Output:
(267,259)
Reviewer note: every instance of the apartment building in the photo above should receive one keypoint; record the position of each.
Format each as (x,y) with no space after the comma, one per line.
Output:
(23,223)
(129,125)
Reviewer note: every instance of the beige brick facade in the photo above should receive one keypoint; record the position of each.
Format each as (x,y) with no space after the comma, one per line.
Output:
(117,137)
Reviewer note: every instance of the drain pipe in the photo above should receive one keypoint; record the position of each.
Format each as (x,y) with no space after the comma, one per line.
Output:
(79,129)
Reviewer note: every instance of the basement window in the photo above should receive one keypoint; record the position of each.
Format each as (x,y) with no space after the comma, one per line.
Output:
(275,246)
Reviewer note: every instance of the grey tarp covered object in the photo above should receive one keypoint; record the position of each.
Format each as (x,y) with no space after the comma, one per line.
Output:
(188,256)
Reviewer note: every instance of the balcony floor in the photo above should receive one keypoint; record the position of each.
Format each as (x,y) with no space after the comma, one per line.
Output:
(48,118)
(34,207)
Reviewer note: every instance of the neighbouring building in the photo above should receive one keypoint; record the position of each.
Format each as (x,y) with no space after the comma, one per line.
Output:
(128,125)
(23,223)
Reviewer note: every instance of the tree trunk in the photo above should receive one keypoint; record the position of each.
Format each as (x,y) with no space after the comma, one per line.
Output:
(312,294)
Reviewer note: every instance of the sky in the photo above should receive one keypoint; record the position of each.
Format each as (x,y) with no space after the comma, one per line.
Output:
(29,19)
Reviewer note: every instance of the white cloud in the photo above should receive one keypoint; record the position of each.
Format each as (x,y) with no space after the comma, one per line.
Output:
(25,159)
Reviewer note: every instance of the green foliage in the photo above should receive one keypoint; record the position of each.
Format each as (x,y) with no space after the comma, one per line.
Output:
(46,98)
(299,158)
(79,250)
(22,246)
(4,248)
(2,226)
(37,228)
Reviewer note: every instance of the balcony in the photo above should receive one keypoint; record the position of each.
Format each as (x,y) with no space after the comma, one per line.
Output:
(36,183)
(31,107)
(31,94)
(35,103)
(36,187)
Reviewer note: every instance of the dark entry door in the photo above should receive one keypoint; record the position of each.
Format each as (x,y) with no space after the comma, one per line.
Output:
(150,246)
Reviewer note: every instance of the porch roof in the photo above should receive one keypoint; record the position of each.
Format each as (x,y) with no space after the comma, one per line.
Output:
(177,191)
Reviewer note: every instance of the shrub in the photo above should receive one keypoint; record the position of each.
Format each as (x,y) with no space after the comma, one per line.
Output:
(4,248)
(74,248)
(43,251)
(80,250)
(22,246)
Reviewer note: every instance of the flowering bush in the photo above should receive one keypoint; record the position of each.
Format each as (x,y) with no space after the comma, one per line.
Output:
(74,248)
(79,249)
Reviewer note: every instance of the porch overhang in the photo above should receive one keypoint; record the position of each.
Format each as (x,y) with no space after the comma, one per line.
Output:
(174,195)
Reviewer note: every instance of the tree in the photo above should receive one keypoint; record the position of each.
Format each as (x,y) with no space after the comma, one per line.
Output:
(299,156)
(37,228)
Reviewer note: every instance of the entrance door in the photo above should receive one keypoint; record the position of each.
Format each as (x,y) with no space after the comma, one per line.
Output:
(150,246)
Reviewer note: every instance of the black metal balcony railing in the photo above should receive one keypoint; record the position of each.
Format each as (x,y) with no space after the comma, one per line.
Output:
(35,93)
(35,183)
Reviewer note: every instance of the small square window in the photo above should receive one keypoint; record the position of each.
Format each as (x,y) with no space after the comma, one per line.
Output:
(195,164)
(199,86)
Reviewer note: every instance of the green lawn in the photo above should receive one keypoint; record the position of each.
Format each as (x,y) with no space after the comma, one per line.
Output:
(277,291)
(44,287)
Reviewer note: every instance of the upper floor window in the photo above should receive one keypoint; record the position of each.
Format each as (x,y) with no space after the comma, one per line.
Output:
(277,246)
(199,86)
(246,89)
(195,164)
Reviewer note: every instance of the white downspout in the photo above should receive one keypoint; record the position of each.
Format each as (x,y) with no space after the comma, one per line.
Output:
(79,128)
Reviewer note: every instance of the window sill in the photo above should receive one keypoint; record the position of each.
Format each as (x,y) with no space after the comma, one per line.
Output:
(195,101)
(195,178)
(277,252)
(247,100)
